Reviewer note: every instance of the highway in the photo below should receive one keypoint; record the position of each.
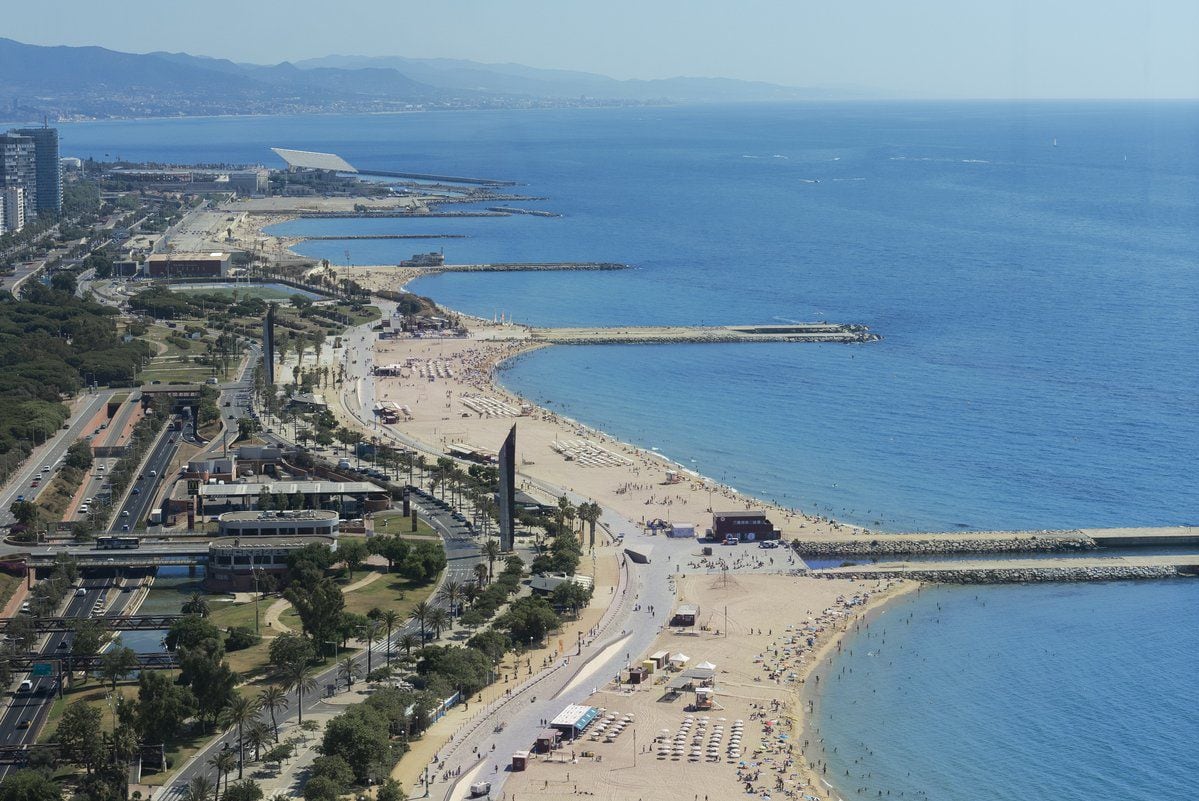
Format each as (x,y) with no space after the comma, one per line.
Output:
(49,454)
(26,712)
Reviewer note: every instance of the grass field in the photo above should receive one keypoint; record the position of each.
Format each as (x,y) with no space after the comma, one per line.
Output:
(242,291)
(8,585)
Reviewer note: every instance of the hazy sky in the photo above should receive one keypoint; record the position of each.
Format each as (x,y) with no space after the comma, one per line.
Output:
(919,48)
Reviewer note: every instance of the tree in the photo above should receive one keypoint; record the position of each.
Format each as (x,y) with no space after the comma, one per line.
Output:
(491,551)
(462,669)
(258,737)
(240,712)
(162,706)
(571,595)
(299,678)
(390,619)
(372,634)
(198,789)
(451,593)
(529,619)
(247,790)
(408,642)
(79,455)
(21,632)
(439,619)
(29,785)
(25,512)
(197,604)
(78,736)
(273,698)
(590,513)
(349,670)
(353,553)
(482,574)
(319,608)
(391,791)
(321,789)
(333,767)
(420,613)
(492,643)
(391,547)
(360,737)
(116,664)
(290,649)
(192,632)
(211,683)
(223,762)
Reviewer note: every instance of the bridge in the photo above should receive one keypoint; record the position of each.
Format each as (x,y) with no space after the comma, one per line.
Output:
(21,663)
(191,553)
(113,623)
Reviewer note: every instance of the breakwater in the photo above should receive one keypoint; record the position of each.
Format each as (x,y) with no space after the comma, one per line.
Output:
(529,212)
(1013,574)
(514,267)
(449,179)
(1042,542)
(383,236)
(661,335)
(392,214)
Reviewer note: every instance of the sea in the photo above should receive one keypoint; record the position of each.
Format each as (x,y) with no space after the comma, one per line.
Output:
(1032,270)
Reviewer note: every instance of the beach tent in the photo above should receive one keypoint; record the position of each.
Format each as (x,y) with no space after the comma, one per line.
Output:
(705,666)
(678,660)
(681,530)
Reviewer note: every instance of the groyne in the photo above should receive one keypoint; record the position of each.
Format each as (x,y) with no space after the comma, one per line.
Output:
(1012,575)
(513,267)
(383,236)
(393,214)
(529,212)
(449,179)
(661,335)
(1043,542)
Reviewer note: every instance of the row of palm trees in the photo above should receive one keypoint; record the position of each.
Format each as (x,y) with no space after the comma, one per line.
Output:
(587,512)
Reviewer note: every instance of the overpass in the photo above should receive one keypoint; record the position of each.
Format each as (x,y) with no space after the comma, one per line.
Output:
(191,553)
(148,661)
(113,623)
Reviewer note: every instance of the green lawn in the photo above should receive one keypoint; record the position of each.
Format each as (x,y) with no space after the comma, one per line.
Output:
(242,291)
(8,585)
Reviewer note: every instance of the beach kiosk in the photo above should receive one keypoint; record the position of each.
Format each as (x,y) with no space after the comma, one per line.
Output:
(574,720)
(659,658)
(520,760)
(685,615)
(681,530)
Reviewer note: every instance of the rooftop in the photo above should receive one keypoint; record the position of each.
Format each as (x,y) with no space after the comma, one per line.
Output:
(310,160)
(187,256)
(290,514)
(290,487)
(268,542)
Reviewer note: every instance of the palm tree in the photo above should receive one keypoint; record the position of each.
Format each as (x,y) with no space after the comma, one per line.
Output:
(420,613)
(372,634)
(481,574)
(451,593)
(590,513)
(258,736)
(196,605)
(408,642)
(390,619)
(272,699)
(564,506)
(440,619)
(472,591)
(349,670)
(223,761)
(298,677)
(491,550)
(198,789)
(240,713)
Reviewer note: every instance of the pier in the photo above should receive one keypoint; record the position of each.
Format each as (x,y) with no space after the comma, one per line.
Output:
(1018,571)
(658,335)
(383,236)
(527,266)
(449,179)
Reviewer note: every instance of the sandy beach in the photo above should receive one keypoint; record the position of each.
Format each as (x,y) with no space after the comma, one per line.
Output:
(752,740)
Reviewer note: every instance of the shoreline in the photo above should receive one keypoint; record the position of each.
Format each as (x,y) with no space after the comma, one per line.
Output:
(808,695)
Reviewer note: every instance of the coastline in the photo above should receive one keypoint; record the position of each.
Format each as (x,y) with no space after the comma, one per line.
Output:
(807,710)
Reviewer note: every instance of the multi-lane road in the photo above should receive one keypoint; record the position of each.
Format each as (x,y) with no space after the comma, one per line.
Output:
(50,453)
(27,708)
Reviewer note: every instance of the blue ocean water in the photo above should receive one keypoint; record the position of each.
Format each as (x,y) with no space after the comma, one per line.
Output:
(994,694)
(1039,306)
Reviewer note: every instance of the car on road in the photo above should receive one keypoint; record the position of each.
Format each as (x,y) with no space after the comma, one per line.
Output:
(87,502)
(24,724)
(25,687)
(62,646)
(80,592)
(20,498)
(137,490)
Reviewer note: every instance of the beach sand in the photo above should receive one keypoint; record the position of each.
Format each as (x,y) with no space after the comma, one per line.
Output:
(761,659)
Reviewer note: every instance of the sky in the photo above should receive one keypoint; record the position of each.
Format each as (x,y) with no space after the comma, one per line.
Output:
(904,48)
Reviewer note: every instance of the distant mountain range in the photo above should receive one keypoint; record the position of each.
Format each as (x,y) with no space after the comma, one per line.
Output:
(94,82)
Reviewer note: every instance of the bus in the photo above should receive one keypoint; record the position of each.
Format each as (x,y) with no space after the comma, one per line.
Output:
(117,542)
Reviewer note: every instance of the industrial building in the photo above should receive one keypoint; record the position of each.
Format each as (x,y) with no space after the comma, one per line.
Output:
(188,265)
(744,526)
(238,565)
(290,523)
(348,498)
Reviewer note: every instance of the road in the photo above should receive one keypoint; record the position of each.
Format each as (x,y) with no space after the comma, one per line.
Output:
(33,706)
(50,453)
(462,553)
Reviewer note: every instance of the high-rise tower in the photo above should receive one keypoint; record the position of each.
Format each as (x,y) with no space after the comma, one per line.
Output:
(47,167)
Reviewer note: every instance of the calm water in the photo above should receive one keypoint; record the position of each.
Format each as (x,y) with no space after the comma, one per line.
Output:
(1039,306)
(994,694)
